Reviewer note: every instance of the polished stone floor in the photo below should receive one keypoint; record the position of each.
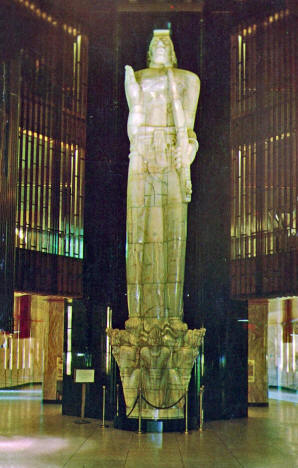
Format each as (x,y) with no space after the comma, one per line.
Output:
(36,435)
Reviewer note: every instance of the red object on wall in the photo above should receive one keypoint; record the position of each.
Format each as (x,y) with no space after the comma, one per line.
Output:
(25,316)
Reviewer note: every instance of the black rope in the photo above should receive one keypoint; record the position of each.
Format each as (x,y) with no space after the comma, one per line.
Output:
(134,405)
(162,407)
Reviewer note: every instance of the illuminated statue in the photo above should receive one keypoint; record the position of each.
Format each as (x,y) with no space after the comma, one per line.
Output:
(162,102)
(162,106)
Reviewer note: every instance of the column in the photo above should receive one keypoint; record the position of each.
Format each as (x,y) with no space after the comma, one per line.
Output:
(53,347)
(257,351)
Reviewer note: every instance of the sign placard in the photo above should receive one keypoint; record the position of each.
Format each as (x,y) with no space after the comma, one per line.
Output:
(84,375)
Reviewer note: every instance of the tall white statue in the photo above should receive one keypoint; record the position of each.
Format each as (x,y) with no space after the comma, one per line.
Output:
(156,351)
(162,104)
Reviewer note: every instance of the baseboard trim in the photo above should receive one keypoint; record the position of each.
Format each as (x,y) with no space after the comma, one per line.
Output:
(258,404)
(52,402)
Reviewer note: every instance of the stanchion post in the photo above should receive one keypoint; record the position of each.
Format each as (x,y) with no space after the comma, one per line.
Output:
(186,412)
(201,409)
(83,376)
(140,412)
(103,405)
(117,400)
(83,403)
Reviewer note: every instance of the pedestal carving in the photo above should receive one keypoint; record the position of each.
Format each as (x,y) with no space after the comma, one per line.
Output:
(157,357)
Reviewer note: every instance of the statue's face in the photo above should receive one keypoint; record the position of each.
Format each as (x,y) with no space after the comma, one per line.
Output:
(161,51)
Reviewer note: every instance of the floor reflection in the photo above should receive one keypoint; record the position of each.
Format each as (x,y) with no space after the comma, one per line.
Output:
(33,434)
(283,395)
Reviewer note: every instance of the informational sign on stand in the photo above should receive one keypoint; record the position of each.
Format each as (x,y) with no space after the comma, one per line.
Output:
(83,376)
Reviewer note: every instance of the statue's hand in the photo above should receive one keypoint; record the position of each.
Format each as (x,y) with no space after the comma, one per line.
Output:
(182,155)
(185,154)
(129,73)
(132,88)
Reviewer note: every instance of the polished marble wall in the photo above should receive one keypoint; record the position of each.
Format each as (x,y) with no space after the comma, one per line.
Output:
(53,347)
(257,351)
(34,359)
(22,359)
(283,347)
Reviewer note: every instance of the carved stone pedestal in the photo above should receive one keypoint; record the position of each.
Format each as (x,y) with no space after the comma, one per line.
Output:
(155,358)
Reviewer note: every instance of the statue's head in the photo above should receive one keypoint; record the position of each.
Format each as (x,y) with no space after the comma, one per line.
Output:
(161,51)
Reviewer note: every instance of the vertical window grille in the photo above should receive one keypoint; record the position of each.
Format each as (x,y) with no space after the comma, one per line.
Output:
(51,144)
(9,116)
(264,164)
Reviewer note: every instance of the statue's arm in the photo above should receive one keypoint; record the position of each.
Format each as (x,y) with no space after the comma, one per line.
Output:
(191,98)
(190,104)
(184,112)
(135,104)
